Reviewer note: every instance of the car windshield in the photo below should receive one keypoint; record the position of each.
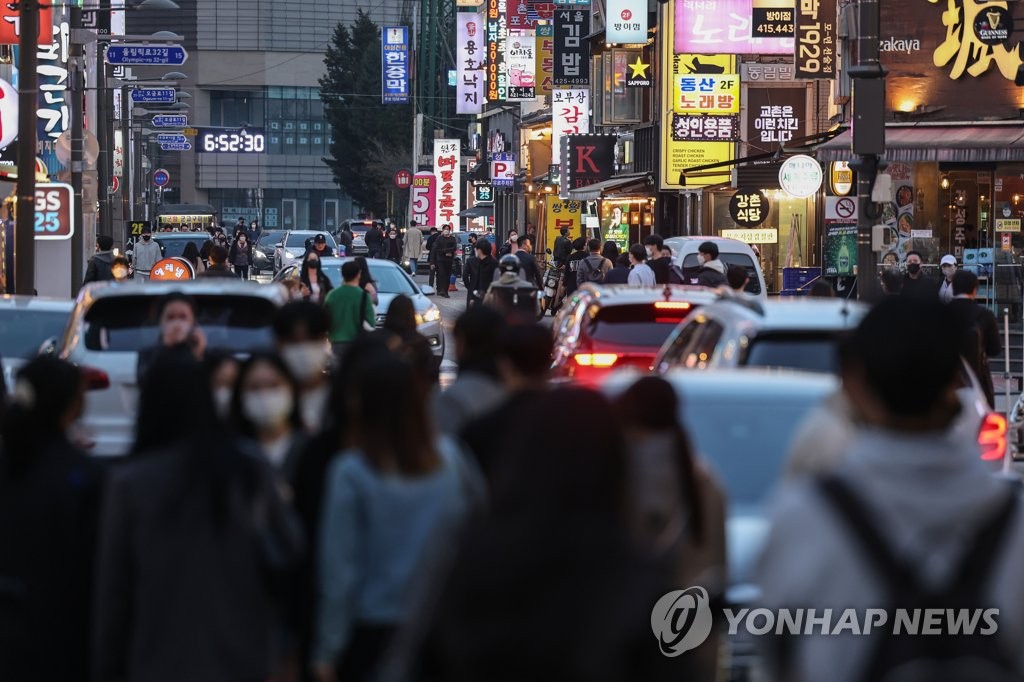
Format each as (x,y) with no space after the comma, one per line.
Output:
(810,352)
(175,246)
(25,330)
(692,263)
(642,324)
(239,324)
(269,238)
(387,279)
(298,239)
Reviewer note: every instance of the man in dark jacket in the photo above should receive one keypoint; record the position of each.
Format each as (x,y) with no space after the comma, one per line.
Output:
(345,238)
(429,246)
(563,247)
(916,284)
(579,253)
(373,241)
(481,269)
(443,254)
(528,269)
(978,332)
(712,270)
(657,259)
(218,264)
(99,268)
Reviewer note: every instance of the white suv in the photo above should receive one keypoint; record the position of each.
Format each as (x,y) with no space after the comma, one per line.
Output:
(112,322)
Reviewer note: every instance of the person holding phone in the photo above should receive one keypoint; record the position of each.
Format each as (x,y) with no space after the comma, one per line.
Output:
(179,334)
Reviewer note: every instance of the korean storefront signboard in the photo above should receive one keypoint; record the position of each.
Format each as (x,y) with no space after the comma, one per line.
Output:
(721,26)
(395,64)
(816,38)
(762,236)
(775,116)
(748,207)
(706,107)
(422,199)
(587,159)
(449,182)
(545,65)
(10,23)
(521,65)
(626,22)
(800,176)
(472,75)
(54,211)
(570,115)
(772,19)
(561,214)
(572,52)
(497,34)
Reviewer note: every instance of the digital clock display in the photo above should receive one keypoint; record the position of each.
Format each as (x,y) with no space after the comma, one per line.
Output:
(243,140)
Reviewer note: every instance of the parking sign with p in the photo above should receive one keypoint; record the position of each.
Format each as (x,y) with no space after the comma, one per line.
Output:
(503,170)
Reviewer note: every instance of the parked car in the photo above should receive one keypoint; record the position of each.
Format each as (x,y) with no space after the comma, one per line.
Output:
(391,280)
(730,252)
(737,332)
(608,327)
(111,322)
(292,247)
(26,323)
(173,243)
(359,226)
(263,252)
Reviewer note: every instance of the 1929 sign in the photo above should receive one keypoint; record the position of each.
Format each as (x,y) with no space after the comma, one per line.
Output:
(53,210)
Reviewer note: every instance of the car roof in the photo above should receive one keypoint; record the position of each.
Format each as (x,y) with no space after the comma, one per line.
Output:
(793,313)
(181,235)
(40,303)
(323,232)
(624,294)
(745,381)
(198,287)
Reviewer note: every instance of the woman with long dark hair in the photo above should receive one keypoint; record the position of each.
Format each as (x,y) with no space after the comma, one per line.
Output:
(399,328)
(388,497)
(193,535)
(191,254)
(610,251)
(49,506)
(366,282)
(314,284)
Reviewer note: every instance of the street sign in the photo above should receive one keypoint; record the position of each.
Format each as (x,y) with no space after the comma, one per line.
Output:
(145,54)
(154,96)
(191,132)
(161,178)
(170,121)
(176,146)
(115,184)
(164,138)
(403,178)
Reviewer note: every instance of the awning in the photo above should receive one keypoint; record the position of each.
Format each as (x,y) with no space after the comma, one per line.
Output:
(478,211)
(624,184)
(978,142)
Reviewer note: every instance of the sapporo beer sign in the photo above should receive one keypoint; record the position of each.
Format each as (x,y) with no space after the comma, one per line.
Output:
(53,211)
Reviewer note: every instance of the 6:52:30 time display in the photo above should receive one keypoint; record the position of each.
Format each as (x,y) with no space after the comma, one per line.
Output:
(222,140)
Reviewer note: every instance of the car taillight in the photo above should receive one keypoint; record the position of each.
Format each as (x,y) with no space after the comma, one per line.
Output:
(595,359)
(95,379)
(671,305)
(992,437)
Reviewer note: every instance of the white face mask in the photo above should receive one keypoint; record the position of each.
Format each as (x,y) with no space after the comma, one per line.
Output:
(222,401)
(269,408)
(949,271)
(305,360)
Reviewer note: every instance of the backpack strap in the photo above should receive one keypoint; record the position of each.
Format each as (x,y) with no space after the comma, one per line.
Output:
(979,560)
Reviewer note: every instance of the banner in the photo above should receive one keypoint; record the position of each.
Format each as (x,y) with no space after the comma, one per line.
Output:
(775,116)
(422,198)
(472,73)
(627,22)
(394,64)
(722,26)
(560,213)
(572,52)
(521,65)
(497,35)
(570,115)
(519,17)
(545,64)
(449,183)
(816,36)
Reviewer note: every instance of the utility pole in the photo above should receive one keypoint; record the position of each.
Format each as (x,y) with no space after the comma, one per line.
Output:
(76,64)
(103,127)
(868,139)
(28,80)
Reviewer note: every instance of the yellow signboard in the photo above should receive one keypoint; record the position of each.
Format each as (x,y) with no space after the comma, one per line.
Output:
(706,94)
(1007,224)
(678,155)
(762,236)
(563,214)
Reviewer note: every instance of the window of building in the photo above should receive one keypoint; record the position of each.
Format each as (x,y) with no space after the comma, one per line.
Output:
(295,121)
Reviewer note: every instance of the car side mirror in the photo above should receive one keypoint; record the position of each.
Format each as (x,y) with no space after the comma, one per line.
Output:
(279,245)
(428,290)
(48,347)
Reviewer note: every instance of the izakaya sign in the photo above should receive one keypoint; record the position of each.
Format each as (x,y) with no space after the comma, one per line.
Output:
(722,26)
(521,64)
(449,183)
(570,115)
(395,65)
(422,199)
(472,75)
(572,52)
(627,22)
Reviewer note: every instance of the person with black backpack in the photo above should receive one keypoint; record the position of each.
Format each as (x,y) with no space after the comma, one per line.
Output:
(594,267)
(978,330)
(909,518)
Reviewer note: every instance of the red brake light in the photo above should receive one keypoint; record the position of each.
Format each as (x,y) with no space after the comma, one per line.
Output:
(992,437)
(95,379)
(595,359)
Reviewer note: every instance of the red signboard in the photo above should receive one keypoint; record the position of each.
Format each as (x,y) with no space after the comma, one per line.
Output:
(403,179)
(172,270)
(53,211)
(10,24)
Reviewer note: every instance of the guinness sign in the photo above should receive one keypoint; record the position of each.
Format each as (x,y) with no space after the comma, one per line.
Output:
(993,26)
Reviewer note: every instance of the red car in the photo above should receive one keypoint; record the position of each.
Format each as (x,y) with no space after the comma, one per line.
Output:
(602,328)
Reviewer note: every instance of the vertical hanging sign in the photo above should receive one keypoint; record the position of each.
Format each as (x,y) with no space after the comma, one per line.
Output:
(627,22)
(471,66)
(521,60)
(545,59)
(497,34)
(394,65)
(422,198)
(446,170)
(570,115)
(815,49)
(572,52)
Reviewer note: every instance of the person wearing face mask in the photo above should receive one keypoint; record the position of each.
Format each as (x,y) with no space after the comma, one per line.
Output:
(314,284)
(444,257)
(147,253)
(265,411)
(50,493)
(712,270)
(300,331)
(916,284)
(948,267)
(392,248)
(241,255)
(179,335)
(120,269)
(510,246)
(222,368)
(100,265)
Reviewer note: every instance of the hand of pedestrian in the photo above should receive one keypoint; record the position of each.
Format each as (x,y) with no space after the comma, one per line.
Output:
(324,672)
(306,293)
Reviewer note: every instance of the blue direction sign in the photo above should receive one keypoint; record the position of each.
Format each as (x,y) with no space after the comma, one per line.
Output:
(141,55)
(161,178)
(170,121)
(175,146)
(154,96)
(169,138)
